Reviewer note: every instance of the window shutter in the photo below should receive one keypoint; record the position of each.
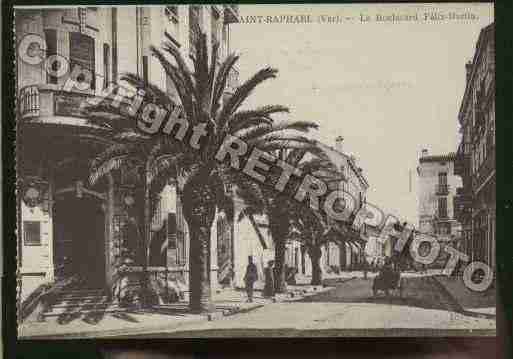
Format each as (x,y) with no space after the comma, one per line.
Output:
(32,233)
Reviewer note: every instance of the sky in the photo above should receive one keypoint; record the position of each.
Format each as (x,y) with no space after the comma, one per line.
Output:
(389,88)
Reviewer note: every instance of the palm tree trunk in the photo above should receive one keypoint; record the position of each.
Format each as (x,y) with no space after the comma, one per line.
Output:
(279,234)
(199,212)
(146,238)
(199,267)
(315,256)
(280,284)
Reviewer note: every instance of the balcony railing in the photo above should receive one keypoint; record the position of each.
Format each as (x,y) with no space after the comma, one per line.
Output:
(50,101)
(462,203)
(442,189)
(29,101)
(464,149)
(484,171)
(442,215)
(462,161)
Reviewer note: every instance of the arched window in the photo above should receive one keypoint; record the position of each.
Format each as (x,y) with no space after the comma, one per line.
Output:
(82,56)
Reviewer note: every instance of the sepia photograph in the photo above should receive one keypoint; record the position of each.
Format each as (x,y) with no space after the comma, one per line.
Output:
(206,171)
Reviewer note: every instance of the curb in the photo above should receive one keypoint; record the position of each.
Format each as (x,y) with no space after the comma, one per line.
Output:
(456,306)
(217,315)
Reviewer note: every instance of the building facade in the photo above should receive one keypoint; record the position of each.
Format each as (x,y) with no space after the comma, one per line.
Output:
(349,253)
(437,189)
(475,160)
(64,223)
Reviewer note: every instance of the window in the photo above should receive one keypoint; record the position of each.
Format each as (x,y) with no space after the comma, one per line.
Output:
(216,27)
(194,27)
(442,178)
(81,54)
(444,228)
(171,12)
(175,242)
(51,49)
(171,231)
(158,249)
(442,183)
(181,250)
(491,130)
(32,233)
(225,42)
(173,24)
(106,65)
(114,20)
(145,69)
(442,207)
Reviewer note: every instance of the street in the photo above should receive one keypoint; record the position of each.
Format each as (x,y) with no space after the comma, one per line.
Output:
(347,309)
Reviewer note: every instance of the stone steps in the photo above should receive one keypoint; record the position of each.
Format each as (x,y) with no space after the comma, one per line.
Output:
(78,301)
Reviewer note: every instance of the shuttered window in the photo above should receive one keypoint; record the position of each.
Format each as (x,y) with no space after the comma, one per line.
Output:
(51,49)
(106,65)
(81,55)
(32,233)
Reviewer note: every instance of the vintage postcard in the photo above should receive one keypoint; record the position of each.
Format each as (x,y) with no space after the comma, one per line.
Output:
(255,170)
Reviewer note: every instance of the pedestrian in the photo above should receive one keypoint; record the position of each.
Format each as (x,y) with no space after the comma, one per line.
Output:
(250,278)
(269,280)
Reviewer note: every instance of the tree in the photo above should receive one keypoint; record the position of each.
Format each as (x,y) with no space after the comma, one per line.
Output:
(311,229)
(204,179)
(140,158)
(281,208)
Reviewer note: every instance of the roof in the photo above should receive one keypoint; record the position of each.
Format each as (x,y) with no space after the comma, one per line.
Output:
(351,162)
(451,156)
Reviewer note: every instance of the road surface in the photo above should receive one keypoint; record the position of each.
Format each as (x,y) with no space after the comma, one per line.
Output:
(347,309)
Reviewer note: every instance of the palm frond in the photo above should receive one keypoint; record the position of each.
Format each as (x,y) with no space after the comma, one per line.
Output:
(220,82)
(242,93)
(184,88)
(262,112)
(155,94)
(106,167)
(275,130)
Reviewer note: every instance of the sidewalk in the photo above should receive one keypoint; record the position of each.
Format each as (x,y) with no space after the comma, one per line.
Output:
(477,303)
(115,321)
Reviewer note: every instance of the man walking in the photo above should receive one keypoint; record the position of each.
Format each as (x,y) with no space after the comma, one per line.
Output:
(250,278)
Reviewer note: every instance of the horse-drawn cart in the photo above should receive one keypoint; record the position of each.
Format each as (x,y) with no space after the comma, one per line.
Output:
(388,281)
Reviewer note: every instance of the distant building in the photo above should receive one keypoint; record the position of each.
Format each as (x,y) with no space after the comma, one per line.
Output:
(351,252)
(475,158)
(437,188)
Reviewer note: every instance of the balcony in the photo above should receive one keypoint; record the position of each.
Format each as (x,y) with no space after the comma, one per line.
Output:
(462,203)
(231,14)
(442,189)
(441,216)
(28,103)
(47,103)
(462,161)
(484,172)
(480,118)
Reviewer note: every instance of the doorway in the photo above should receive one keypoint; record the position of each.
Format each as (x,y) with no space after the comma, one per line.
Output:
(79,239)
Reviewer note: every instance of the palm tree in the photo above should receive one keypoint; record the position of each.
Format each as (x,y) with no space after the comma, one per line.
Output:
(314,230)
(280,207)
(139,158)
(203,178)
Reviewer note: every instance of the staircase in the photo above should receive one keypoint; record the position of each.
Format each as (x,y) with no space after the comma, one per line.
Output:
(70,304)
